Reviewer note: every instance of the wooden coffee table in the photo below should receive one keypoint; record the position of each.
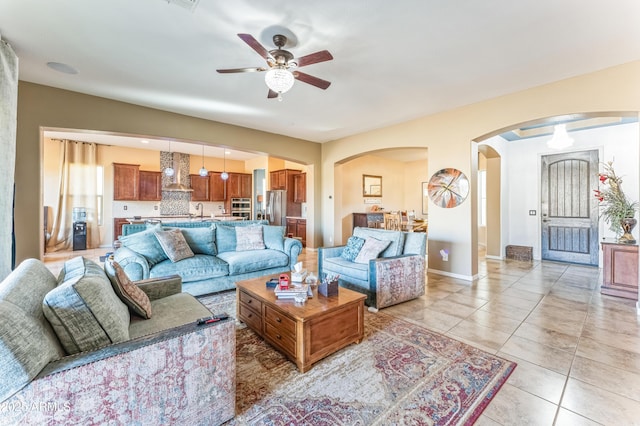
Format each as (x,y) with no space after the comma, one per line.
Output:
(307,333)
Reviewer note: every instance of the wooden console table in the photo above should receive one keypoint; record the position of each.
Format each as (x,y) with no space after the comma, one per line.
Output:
(620,273)
(368,220)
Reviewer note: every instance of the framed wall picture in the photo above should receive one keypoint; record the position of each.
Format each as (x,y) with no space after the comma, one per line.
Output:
(371,186)
(448,188)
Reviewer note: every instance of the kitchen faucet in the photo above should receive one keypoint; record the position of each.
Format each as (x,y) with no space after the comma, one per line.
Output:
(201,207)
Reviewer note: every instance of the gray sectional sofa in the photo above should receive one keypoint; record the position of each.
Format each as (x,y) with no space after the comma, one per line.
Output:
(218,259)
(71,352)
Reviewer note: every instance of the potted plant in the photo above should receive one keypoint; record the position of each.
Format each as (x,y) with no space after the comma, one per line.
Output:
(616,208)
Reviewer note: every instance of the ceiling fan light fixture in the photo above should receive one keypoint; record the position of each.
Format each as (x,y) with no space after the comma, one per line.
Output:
(280,80)
(560,139)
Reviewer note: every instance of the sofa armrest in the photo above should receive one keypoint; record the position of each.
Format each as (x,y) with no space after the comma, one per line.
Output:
(134,264)
(325,253)
(292,248)
(158,288)
(152,379)
(396,279)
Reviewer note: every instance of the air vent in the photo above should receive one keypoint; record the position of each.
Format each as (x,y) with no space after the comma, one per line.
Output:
(187,4)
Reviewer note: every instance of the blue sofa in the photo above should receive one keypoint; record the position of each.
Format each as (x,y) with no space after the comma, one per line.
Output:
(397,275)
(216,264)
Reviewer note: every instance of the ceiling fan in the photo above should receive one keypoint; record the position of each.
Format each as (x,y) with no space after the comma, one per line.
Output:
(281,66)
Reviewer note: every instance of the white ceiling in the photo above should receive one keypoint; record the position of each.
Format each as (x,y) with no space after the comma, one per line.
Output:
(393,61)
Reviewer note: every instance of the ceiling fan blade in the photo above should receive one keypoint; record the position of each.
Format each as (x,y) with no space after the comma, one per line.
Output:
(255,45)
(272,94)
(232,70)
(309,79)
(314,58)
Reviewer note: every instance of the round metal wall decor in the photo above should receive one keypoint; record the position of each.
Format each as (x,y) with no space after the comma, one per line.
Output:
(448,188)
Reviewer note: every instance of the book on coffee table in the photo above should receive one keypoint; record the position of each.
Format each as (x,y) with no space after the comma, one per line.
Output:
(292,291)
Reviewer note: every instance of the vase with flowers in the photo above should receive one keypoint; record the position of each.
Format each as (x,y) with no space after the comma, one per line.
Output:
(615,207)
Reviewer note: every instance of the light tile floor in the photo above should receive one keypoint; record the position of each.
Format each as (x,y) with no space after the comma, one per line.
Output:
(578,352)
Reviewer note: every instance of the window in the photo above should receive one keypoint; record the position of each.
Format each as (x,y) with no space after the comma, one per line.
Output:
(482,197)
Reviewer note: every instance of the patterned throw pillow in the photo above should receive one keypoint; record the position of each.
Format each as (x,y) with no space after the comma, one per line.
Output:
(174,244)
(353,247)
(371,249)
(136,299)
(249,238)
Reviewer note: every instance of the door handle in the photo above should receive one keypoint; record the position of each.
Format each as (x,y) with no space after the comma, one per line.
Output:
(545,220)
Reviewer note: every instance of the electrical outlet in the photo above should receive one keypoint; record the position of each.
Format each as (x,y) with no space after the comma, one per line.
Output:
(124,208)
(155,207)
(219,207)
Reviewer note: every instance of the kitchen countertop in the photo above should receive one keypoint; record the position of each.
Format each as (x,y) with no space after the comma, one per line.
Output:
(296,217)
(167,218)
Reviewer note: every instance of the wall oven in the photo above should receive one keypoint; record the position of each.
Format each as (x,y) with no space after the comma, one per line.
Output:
(241,207)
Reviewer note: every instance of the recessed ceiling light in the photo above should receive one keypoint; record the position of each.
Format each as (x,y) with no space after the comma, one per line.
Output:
(63,68)
(144,141)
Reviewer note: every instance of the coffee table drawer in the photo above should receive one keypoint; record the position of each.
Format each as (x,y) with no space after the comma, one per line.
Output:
(284,324)
(250,317)
(280,339)
(251,301)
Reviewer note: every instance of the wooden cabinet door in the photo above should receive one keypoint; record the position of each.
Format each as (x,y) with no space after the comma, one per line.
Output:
(245,185)
(118,222)
(233,186)
(216,187)
(300,188)
(126,180)
(291,227)
(301,230)
(200,186)
(150,186)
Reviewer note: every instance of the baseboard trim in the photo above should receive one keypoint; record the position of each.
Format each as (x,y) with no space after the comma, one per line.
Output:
(449,274)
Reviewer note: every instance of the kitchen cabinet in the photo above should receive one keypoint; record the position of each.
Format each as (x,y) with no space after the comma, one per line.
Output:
(200,186)
(216,187)
(620,271)
(278,179)
(297,228)
(118,222)
(150,187)
(126,182)
(239,185)
(300,188)
(283,180)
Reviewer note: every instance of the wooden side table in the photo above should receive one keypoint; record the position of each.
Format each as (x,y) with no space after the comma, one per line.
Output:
(620,270)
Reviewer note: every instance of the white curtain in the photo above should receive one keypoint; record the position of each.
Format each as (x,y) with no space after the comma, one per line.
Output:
(8,120)
(78,186)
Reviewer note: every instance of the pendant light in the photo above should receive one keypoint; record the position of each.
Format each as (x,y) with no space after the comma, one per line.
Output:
(561,138)
(169,172)
(203,172)
(224,175)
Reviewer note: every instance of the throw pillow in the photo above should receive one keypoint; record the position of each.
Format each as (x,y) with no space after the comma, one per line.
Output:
(249,238)
(353,247)
(146,244)
(371,249)
(201,240)
(132,296)
(274,236)
(225,238)
(174,244)
(84,311)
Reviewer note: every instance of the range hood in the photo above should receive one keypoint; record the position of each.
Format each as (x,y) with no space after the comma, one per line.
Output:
(177,185)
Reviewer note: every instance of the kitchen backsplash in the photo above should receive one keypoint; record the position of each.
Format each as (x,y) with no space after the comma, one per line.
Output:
(153,208)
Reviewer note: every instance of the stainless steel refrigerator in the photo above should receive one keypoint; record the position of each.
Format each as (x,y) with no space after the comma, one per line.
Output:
(276,210)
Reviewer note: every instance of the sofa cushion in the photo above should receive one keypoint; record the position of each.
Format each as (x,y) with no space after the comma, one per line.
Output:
(371,249)
(196,268)
(201,240)
(174,244)
(27,342)
(146,244)
(274,236)
(225,238)
(132,296)
(84,310)
(241,262)
(396,237)
(346,269)
(249,238)
(353,247)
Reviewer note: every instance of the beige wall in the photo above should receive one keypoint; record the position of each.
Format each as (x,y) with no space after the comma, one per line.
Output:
(449,137)
(47,107)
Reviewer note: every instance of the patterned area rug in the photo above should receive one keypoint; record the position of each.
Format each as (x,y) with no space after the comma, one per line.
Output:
(400,374)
